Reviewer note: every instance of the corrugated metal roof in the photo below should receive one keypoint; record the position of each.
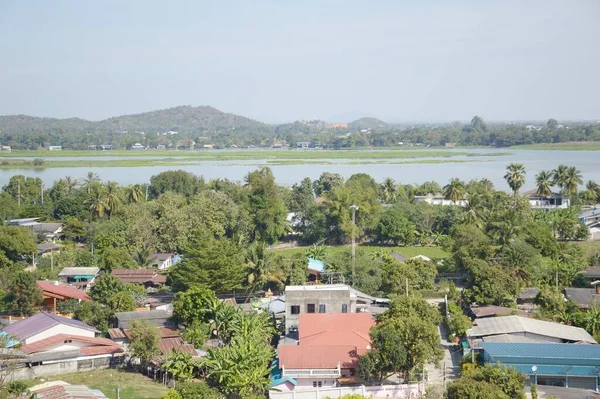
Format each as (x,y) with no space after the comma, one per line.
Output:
(517,324)
(79,271)
(509,338)
(42,321)
(541,351)
(583,371)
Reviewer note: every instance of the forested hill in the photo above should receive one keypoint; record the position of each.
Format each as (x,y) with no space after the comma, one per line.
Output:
(183,119)
(367,123)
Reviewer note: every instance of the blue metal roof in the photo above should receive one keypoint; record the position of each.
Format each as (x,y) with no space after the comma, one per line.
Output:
(542,369)
(549,354)
(316,264)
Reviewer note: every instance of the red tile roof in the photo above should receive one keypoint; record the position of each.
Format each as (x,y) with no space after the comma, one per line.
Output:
(45,343)
(169,344)
(319,357)
(139,276)
(62,291)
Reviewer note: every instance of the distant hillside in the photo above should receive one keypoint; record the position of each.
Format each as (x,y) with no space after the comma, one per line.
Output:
(367,123)
(184,119)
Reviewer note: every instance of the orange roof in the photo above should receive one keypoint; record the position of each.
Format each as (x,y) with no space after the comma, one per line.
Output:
(332,329)
(62,291)
(319,357)
(45,343)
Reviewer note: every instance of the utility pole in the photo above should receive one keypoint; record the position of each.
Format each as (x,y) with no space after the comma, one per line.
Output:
(146,193)
(19,193)
(354,208)
(42,192)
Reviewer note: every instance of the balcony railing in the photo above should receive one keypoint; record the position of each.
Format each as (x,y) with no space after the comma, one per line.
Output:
(312,372)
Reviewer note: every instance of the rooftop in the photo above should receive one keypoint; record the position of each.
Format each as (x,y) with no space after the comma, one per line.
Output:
(493,311)
(66,391)
(154,317)
(42,321)
(160,256)
(543,351)
(518,324)
(62,291)
(529,293)
(334,329)
(139,276)
(79,271)
(584,297)
(47,344)
(592,272)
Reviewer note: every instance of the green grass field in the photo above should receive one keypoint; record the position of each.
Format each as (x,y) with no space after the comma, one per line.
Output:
(571,146)
(430,252)
(133,385)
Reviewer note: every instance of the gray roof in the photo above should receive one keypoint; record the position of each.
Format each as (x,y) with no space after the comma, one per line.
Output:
(47,227)
(518,324)
(399,257)
(510,338)
(79,271)
(529,293)
(592,272)
(153,317)
(275,306)
(582,296)
(50,246)
(42,321)
(49,356)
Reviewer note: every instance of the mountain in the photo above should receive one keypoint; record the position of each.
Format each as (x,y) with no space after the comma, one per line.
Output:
(367,123)
(184,119)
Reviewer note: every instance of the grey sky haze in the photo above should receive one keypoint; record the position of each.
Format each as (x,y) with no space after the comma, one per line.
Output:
(283,60)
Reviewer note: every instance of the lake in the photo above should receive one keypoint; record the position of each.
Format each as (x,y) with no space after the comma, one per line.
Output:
(477,167)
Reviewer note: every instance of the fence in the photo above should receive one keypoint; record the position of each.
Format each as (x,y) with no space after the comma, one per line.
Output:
(405,391)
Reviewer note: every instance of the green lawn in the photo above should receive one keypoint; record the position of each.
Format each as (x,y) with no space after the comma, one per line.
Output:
(133,385)
(431,252)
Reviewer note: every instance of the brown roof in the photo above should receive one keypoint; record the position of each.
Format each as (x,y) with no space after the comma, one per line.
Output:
(163,332)
(62,291)
(139,276)
(493,311)
(46,343)
(160,256)
(116,333)
(167,345)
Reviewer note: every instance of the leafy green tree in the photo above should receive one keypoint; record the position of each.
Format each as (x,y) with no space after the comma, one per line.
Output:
(590,195)
(198,390)
(74,229)
(592,320)
(94,314)
(8,206)
(141,258)
(508,379)
(467,388)
(171,394)
(515,177)
(402,306)
(394,227)
(29,189)
(17,243)
(177,181)
(217,212)
(326,182)
(121,302)
(490,284)
(458,323)
(417,273)
(262,270)
(180,365)
(196,305)
(25,297)
(217,264)
(116,258)
(302,197)
(105,287)
(552,124)
(143,341)
(197,334)
(389,191)
(455,190)
(313,226)
(559,177)
(387,357)
(534,392)
(265,206)
(97,204)
(315,252)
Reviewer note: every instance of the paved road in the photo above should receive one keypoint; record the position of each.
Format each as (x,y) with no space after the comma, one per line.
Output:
(450,365)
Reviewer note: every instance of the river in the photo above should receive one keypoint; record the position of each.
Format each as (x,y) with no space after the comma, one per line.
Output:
(477,167)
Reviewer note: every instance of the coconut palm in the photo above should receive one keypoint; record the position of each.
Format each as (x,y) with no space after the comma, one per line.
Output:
(544,183)
(97,203)
(454,190)
(515,177)
(262,269)
(89,180)
(591,192)
(473,211)
(70,184)
(572,180)
(135,194)
(558,176)
(113,200)
(142,257)
(389,190)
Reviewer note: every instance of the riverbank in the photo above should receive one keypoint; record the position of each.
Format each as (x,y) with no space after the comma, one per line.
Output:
(570,146)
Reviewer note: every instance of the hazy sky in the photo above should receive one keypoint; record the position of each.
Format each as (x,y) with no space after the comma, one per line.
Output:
(284,60)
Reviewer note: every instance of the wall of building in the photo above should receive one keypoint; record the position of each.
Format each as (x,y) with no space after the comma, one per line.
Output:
(383,391)
(60,329)
(332,299)
(68,366)
(309,383)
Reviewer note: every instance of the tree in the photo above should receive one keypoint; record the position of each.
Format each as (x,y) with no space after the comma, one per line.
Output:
(394,227)
(591,192)
(478,123)
(592,320)
(89,180)
(121,302)
(27,189)
(17,243)
(135,194)
(572,180)
(116,258)
(105,287)
(142,257)
(143,341)
(544,182)
(388,191)
(552,124)
(214,263)
(302,197)
(25,297)
(326,182)
(515,177)
(508,379)
(177,181)
(180,365)
(559,176)
(97,203)
(455,190)
(195,305)
(387,357)
(467,388)
(94,314)
(113,201)
(262,269)
(414,273)
(197,390)
(265,206)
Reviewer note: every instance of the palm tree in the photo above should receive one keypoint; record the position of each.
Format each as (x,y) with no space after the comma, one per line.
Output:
(572,180)
(142,258)
(70,184)
(97,203)
(455,190)
(261,267)
(112,197)
(544,183)
(558,176)
(473,211)
(389,190)
(591,192)
(89,180)
(316,252)
(592,320)
(515,177)
(135,194)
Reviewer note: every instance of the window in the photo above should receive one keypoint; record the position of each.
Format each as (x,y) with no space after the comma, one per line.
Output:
(295,309)
(344,308)
(314,384)
(320,384)
(310,308)
(321,308)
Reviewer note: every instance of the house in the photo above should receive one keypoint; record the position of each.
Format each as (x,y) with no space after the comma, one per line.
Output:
(315,268)
(479,312)
(163,261)
(438,199)
(275,306)
(585,298)
(158,318)
(323,298)
(328,349)
(5,148)
(526,299)
(304,145)
(422,257)
(526,330)
(43,325)
(24,222)
(592,273)
(71,346)
(50,231)
(62,390)
(147,277)
(48,248)
(161,301)
(55,147)
(138,146)
(79,276)
(54,292)
(170,338)
(553,201)
(564,365)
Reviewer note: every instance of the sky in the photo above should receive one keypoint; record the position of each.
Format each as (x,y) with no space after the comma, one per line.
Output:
(284,60)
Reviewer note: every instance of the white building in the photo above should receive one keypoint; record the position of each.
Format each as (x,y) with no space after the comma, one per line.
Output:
(438,199)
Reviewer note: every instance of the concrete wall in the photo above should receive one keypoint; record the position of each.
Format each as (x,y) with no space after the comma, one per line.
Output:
(383,391)
(60,329)
(68,366)
(332,299)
